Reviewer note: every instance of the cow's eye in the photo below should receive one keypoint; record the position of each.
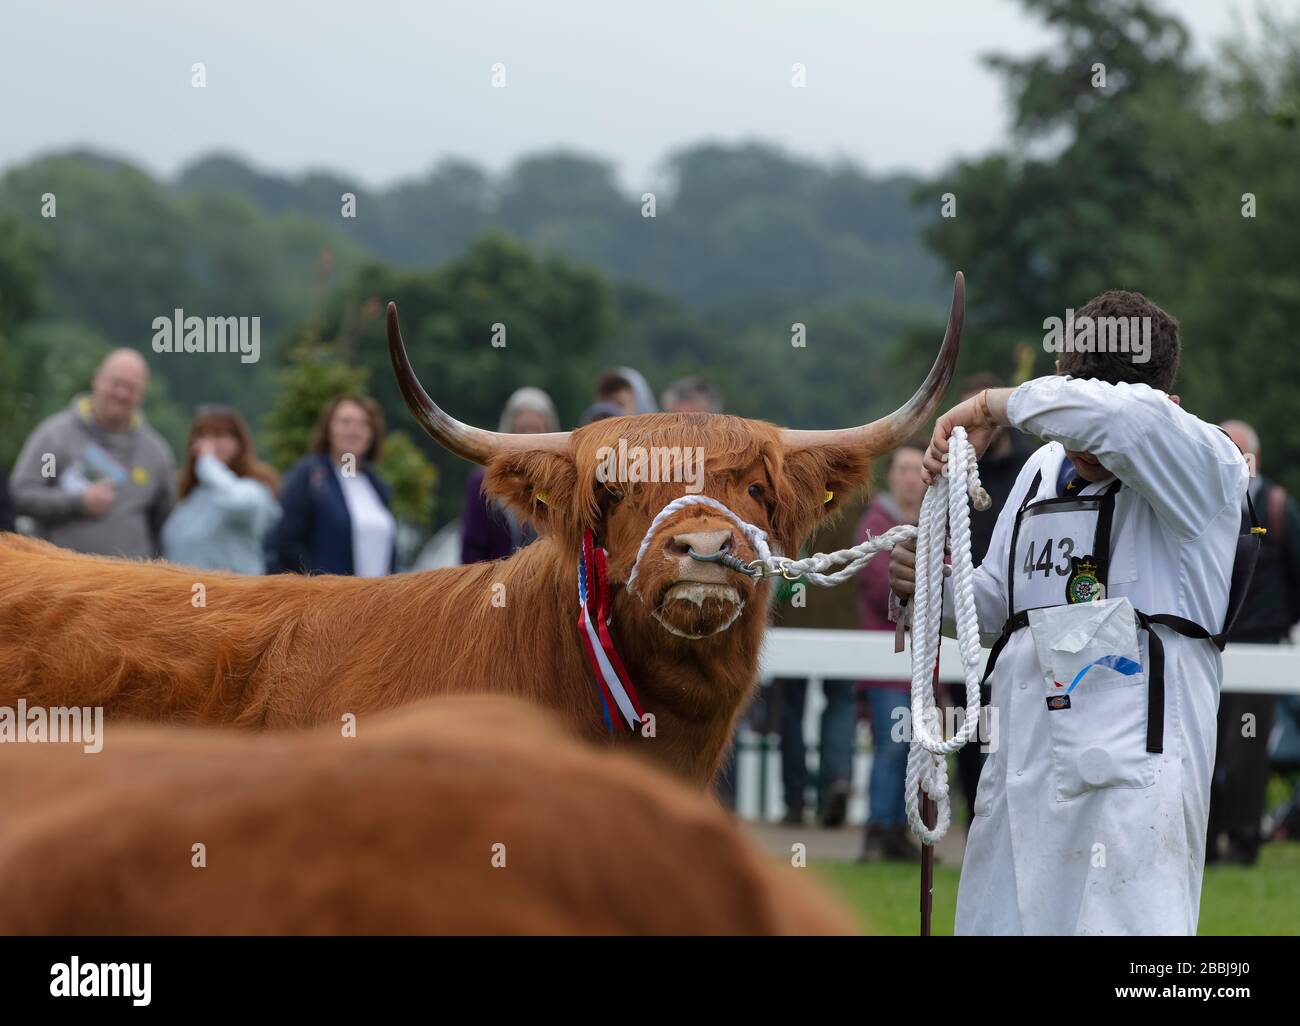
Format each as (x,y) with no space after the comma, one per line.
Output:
(756,492)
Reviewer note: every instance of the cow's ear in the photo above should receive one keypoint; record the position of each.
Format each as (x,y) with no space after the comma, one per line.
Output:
(537,485)
(818,482)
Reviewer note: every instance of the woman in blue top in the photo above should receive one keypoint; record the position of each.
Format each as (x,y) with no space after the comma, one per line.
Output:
(336,508)
(227,497)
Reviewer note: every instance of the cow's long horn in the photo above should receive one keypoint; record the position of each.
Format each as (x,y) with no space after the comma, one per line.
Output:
(468,442)
(888,433)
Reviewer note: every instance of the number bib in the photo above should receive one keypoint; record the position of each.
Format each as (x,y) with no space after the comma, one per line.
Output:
(1060,550)
(1060,554)
(1087,649)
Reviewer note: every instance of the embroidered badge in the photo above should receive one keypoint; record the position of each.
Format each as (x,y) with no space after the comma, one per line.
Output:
(1082,584)
(1055,702)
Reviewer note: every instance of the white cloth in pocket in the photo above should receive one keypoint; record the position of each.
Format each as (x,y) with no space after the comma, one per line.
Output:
(1095,695)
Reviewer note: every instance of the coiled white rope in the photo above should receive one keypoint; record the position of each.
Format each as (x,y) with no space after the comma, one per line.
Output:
(944,513)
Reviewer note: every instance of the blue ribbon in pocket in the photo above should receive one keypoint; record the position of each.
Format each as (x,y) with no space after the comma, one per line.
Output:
(1118,663)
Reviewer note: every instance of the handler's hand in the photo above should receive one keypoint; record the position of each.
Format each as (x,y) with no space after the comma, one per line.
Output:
(902,569)
(981,415)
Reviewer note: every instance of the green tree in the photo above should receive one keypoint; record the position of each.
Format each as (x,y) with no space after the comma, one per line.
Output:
(1174,179)
(1063,215)
(20,298)
(731,221)
(124,249)
(554,317)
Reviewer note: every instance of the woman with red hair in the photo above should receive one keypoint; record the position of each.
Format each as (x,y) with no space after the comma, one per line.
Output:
(227,497)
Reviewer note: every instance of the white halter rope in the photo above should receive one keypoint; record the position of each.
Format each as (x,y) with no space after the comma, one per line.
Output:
(756,536)
(944,511)
(811,567)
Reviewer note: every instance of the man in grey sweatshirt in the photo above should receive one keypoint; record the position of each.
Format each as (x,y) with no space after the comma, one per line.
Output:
(95,477)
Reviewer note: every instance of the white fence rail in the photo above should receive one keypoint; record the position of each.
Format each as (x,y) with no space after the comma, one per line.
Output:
(817,656)
(854,655)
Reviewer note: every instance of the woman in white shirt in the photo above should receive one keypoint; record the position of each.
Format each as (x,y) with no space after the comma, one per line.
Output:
(336,508)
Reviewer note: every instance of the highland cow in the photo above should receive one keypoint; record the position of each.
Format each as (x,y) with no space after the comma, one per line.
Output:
(297,651)
(459,815)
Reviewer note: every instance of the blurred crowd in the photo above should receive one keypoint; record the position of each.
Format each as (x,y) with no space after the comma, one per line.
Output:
(96,478)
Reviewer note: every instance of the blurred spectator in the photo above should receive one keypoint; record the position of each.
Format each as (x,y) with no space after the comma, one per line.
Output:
(227,497)
(490,529)
(627,388)
(95,477)
(336,517)
(1272,607)
(837,733)
(601,410)
(800,606)
(1284,742)
(886,835)
(6,506)
(692,395)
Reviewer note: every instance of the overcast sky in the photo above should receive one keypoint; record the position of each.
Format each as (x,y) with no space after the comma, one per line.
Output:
(384,88)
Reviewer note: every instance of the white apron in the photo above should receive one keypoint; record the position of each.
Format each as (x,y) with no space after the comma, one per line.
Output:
(1091,811)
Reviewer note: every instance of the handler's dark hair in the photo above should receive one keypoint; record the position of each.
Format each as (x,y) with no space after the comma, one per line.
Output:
(1159,371)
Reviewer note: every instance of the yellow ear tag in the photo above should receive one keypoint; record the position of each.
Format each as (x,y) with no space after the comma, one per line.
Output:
(544,497)
(829,496)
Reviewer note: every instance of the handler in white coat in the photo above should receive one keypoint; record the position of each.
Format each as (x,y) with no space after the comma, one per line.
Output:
(1091,812)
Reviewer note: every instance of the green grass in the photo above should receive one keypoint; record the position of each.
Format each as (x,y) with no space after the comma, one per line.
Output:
(1264,899)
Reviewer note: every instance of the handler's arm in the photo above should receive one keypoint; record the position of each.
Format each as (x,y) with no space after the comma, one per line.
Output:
(1186,469)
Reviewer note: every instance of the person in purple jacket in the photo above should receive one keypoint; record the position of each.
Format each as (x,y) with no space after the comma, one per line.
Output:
(886,832)
(488,530)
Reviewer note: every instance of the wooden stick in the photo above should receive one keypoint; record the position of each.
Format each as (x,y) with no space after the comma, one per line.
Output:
(929,815)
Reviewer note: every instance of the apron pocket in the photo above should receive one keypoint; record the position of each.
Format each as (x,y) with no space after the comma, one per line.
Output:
(1100,740)
(1095,696)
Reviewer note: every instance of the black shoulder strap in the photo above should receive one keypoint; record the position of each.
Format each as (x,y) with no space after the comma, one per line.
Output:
(1243,571)
(1101,537)
(1015,533)
(1250,507)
